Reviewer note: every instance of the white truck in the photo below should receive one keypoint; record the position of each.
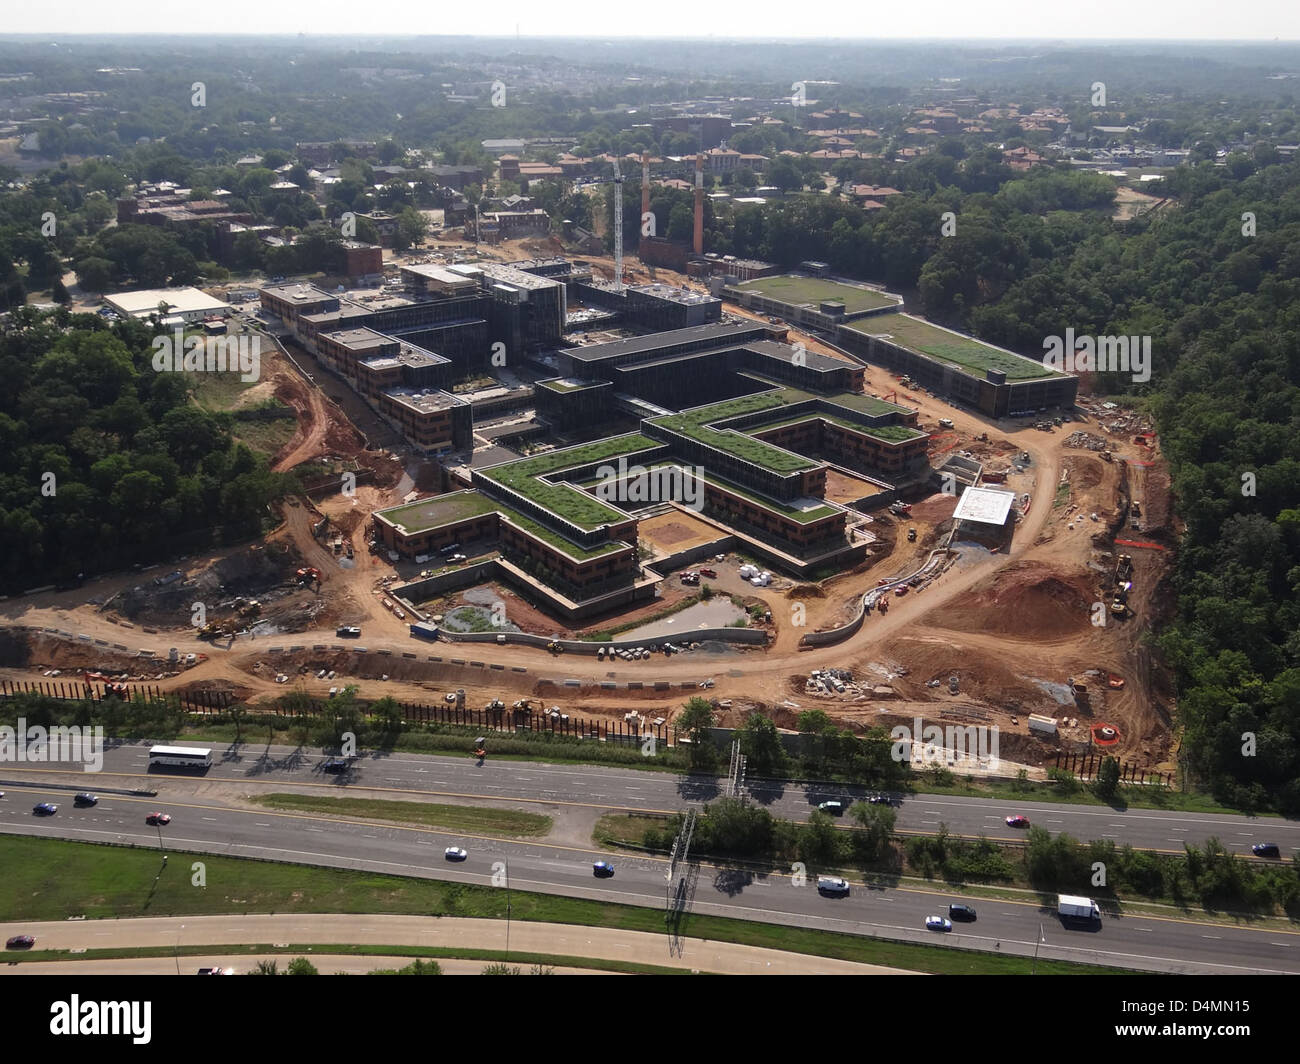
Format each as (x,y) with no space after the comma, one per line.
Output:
(1072,908)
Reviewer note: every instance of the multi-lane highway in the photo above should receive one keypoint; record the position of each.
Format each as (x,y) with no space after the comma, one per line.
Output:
(210,817)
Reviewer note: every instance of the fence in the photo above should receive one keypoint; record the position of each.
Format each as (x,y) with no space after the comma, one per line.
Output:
(214,703)
(1085,766)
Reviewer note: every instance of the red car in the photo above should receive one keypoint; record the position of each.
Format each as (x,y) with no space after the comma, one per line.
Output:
(158,818)
(1017,821)
(712,574)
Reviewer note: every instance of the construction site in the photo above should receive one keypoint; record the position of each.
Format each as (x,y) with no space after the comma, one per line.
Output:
(1039,624)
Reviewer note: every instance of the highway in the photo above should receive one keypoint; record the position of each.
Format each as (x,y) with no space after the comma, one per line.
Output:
(208,818)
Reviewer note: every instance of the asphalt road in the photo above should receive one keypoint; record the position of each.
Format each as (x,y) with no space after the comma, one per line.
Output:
(212,824)
(603,788)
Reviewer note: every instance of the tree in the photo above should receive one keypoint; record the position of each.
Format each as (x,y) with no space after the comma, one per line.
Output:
(266,968)
(761,744)
(694,723)
(877,824)
(1107,782)
(301,966)
(95,274)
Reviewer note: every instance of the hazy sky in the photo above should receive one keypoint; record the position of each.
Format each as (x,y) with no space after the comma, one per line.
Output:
(1082,19)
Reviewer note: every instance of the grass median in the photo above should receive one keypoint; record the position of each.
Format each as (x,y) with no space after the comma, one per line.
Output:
(507,823)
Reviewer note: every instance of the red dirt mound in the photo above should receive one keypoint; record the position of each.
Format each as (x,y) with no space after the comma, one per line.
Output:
(1027,601)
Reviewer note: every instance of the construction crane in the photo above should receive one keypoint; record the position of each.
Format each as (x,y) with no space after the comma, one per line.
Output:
(618,228)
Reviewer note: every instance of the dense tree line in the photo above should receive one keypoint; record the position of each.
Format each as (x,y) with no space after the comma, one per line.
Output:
(109,463)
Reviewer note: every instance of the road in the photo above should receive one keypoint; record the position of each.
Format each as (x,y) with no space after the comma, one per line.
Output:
(564,940)
(209,819)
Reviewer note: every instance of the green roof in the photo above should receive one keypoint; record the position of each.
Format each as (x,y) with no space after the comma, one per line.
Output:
(424,514)
(564,500)
(797,290)
(697,424)
(965,352)
(888,433)
(565,384)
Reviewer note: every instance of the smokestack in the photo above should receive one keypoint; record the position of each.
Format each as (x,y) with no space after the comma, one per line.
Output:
(645,185)
(699,205)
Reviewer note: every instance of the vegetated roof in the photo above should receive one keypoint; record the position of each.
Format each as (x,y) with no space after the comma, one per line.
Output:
(697,424)
(888,433)
(965,352)
(797,290)
(564,500)
(424,514)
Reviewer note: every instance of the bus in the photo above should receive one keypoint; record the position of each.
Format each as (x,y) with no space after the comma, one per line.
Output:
(180,757)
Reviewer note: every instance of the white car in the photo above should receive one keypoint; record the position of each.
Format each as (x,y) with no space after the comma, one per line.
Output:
(938,923)
(449,697)
(455,853)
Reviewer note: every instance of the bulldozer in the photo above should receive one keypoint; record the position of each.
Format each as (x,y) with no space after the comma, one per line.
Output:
(211,630)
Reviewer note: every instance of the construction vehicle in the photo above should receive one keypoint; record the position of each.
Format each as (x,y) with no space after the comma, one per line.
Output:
(555,647)
(983,437)
(883,604)
(495,706)
(1136,509)
(1124,569)
(211,630)
(308,575)
(1106,456)
(900,509)
(1119,604)
(945,422)
(525,705)
(911,535)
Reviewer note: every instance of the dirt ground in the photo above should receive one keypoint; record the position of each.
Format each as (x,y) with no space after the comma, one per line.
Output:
(1012,626)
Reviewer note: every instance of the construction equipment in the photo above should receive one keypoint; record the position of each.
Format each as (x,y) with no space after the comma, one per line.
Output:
(525,705)
(1106,456)
(210,630)
(911,535)
(308,574)
(555,647)
(883,604)
(1123,569)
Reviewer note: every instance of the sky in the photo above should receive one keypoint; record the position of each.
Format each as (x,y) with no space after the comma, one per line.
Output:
(1260,20)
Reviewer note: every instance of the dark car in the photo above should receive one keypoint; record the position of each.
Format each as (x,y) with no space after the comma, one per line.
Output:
(158,819)
(1017,821)
(961,912)
(1266,849)
(20,942)
(348,632)
(835,808)
(602,869)
(334,764)
(85,799)
(880,799)
(45,809)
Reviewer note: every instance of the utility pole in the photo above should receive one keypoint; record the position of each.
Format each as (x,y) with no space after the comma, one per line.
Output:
(1042,937)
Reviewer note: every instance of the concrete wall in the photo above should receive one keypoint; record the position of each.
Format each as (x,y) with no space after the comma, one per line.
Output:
(744,636)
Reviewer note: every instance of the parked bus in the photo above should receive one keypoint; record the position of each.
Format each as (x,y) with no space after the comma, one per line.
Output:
(180,757)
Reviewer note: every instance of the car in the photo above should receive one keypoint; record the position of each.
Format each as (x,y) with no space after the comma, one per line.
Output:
(833,807)
(158,819)
(350,631)
(216,971)
(45,809)
(832,885)
(880,799)
(85,799)
(455,853)
(1266,849)
(602,869)
(712,574)
(20,942)
(961,912)
(1017,821)
(334,764)
(938,923)
(449,697)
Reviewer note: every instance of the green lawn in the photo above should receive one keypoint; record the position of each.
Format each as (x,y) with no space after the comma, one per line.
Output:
(424,514)
(505,822)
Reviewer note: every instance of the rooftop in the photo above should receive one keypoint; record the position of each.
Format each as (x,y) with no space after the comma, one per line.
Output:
(965,352)
(799,290)
(718,333)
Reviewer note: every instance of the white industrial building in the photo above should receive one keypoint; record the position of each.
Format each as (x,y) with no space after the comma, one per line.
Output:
(182,305)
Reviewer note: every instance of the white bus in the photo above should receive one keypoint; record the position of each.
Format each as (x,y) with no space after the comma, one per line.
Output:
(180,756)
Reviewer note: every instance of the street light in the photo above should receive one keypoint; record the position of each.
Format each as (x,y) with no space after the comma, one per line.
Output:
(1042,937)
